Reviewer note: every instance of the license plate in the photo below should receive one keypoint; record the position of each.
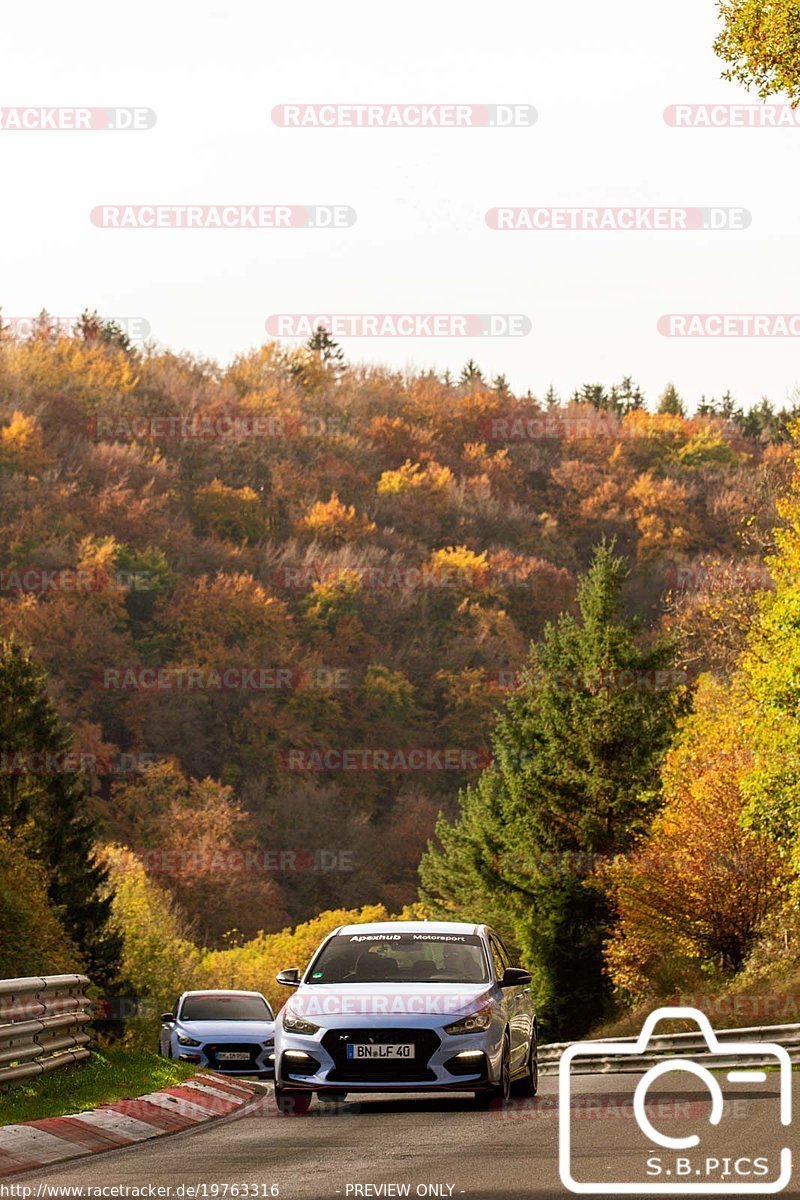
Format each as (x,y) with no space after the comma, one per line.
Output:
(233,1056)
(382,1050)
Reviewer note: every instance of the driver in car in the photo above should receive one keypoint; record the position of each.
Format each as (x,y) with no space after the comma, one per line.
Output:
(456,964)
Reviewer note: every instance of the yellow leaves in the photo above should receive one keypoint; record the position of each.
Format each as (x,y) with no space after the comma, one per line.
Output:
(21,446)
(412,477)
(661,510)
(459,566)
(667,427)
(760,43)
(258,371)
(158,956)
(98,556)
(335,523)
(332,599)
(234,514)
(477,454)
(255,964)
(91,371)
(32,938)
(391,692)
(708,445)
(701,885)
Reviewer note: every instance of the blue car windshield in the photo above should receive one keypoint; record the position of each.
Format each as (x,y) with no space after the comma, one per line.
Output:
(400,958)
(215,1007)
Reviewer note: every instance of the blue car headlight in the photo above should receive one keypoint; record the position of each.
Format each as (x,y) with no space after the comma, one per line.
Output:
(187,1041)
(477,1022)
(293,1023)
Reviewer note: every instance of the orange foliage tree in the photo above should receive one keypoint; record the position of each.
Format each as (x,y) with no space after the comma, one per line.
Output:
(695,893)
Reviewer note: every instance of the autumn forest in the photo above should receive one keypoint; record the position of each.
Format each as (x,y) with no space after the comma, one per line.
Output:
(298,635)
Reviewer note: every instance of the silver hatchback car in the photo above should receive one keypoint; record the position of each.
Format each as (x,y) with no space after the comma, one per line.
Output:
(230,1031)
(406,1006)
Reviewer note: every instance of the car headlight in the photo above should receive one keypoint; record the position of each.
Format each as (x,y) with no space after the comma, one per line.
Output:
(187,1041)
(476,1022)
(268,1044)
(292,1023)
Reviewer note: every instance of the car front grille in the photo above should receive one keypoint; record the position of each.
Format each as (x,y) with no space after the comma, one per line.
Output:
(368,1070)
(252,1049)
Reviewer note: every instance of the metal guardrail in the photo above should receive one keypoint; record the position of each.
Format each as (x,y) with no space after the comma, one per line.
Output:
(671,1045)
(42,1023)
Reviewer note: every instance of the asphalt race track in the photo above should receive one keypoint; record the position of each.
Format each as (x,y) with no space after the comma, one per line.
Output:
(442,1146)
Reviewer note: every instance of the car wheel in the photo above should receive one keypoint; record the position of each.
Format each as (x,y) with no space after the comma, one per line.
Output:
(292,1103)
(504,1085)
(331,1095)
(528,1085)
(501,1092)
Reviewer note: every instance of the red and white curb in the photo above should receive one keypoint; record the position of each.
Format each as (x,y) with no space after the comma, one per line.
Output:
(122,1123)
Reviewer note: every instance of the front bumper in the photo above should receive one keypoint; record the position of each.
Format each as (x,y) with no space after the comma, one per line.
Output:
(261,1060)
(441,1062)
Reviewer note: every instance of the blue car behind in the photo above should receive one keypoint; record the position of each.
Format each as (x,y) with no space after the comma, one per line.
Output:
(229,1031)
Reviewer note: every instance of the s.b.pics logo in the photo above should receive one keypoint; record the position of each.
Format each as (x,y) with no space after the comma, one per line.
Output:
(688,1128)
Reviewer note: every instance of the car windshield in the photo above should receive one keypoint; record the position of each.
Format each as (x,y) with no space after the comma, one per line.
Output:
(216,1007)
(400,958)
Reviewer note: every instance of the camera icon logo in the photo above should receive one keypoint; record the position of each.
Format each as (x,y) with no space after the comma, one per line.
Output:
(678,1172)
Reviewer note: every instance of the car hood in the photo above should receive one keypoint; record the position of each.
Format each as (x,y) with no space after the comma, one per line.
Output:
(228,1031)
(335,1005)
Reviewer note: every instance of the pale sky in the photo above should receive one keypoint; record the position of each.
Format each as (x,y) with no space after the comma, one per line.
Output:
(600,77)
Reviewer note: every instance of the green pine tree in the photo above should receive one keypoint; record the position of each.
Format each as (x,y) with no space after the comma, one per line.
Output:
(574,781)
(92,328)
(626,396)
(471,375)
(328,350)
(41,809)
(670,402)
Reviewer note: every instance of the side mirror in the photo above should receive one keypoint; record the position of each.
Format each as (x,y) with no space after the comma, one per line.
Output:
(514,977)
(167,1018)
(290,977)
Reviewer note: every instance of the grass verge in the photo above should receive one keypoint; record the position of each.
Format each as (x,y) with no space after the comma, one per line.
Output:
(114,1074)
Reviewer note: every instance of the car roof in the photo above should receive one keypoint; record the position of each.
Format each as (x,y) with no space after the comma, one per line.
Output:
(221,992)
(462,927)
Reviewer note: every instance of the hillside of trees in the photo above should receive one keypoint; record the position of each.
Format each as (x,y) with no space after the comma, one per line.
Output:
(277,619)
